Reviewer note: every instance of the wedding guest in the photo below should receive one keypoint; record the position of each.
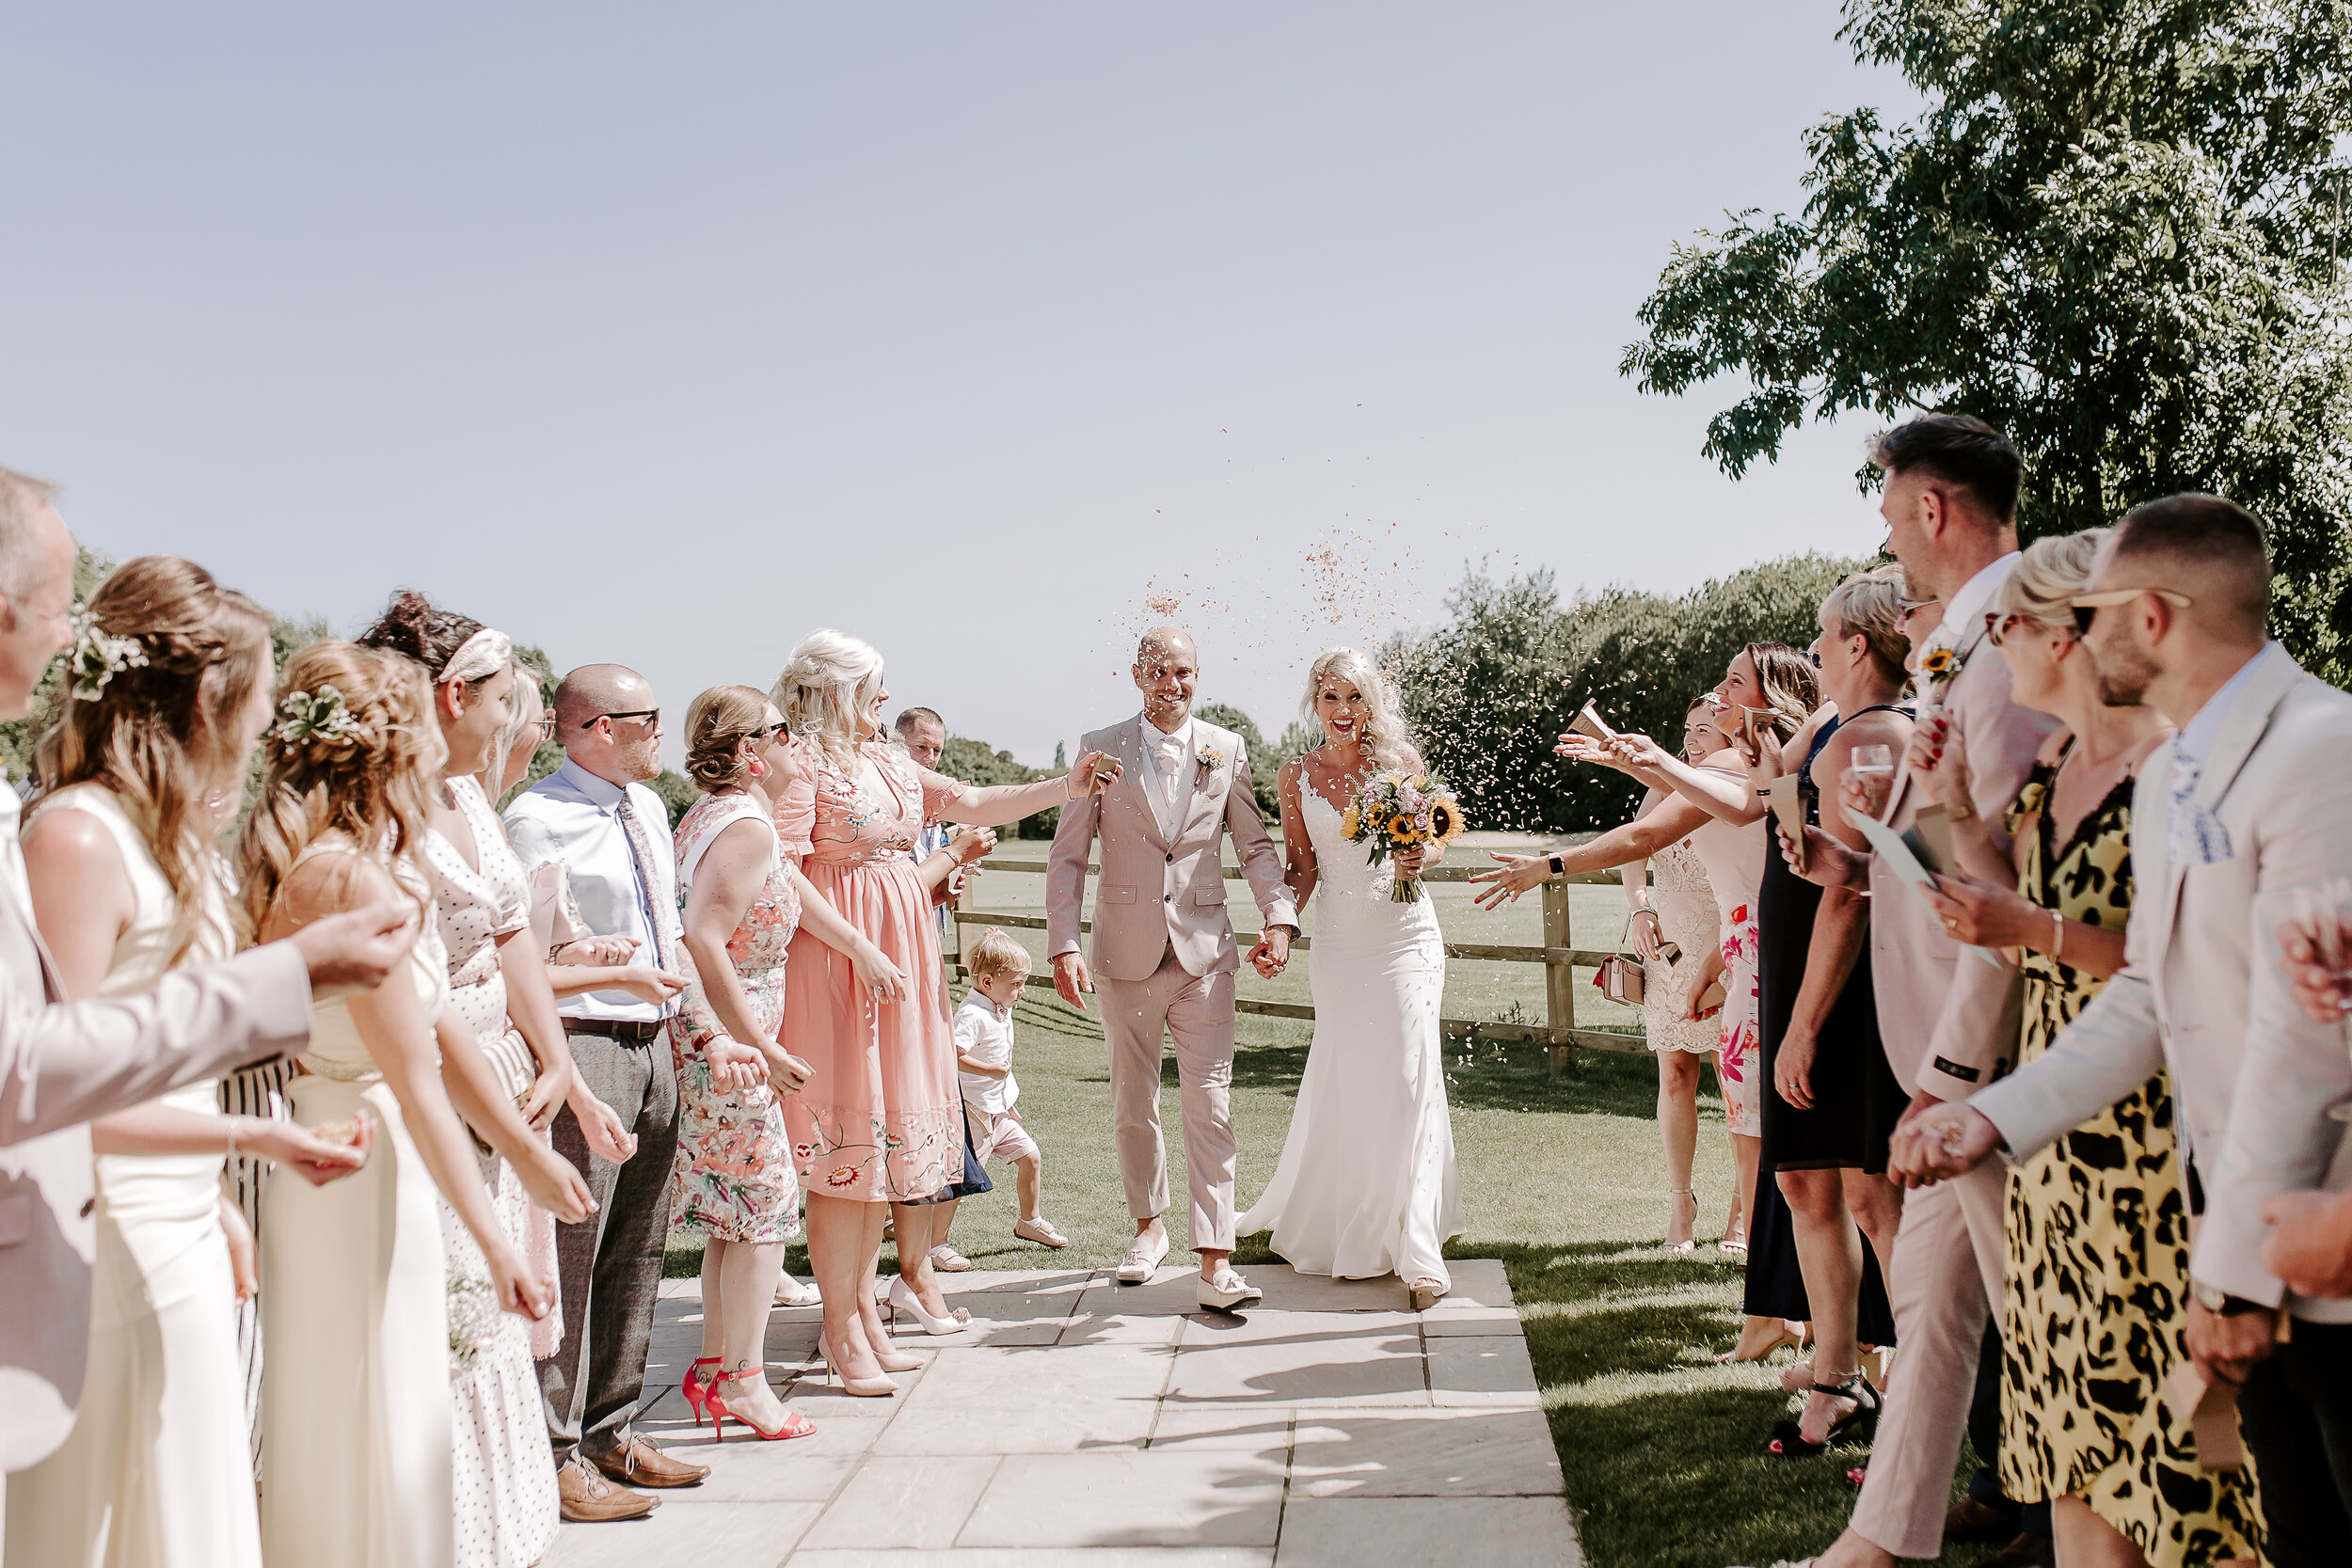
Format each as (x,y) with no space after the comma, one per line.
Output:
(983,1032)
(1682,915)
(737,1187)
(507,1508)
(594,814)
(947,861)
(2249,801)
(162,705)
(68,1062)
(871,1017)
(1949,1024)
(354,1272)
(2098,1222)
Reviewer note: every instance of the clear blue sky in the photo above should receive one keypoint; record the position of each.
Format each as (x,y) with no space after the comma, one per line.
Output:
(662,335)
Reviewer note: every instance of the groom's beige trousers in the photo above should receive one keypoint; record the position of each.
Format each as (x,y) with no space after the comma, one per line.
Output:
(1949,1256)
(1196,1011)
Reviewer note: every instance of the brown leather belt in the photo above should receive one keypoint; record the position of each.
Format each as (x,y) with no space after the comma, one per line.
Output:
(633,1031)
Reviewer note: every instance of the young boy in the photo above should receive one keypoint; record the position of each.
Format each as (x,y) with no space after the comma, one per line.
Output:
(983,1028)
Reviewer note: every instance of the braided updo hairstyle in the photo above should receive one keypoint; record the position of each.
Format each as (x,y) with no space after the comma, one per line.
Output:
(172,658)
(371,785)
(717,724)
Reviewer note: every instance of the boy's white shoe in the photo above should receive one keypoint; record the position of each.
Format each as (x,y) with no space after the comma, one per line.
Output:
(1227,1290)
(1039,1230)
(1143,1255)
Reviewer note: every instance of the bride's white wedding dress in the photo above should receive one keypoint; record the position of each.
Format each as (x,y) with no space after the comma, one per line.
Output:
(1367,1183)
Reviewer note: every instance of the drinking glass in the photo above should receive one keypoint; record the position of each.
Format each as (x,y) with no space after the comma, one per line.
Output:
(1872,774)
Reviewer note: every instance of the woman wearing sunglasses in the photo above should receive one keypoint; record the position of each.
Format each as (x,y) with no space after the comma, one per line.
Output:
(2096,1225)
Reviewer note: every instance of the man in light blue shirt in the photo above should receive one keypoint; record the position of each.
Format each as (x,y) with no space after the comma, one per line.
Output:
(595,815)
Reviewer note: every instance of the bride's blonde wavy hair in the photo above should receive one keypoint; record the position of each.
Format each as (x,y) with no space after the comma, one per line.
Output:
(372,784)
(158,734)
(1384,739)
(827,684)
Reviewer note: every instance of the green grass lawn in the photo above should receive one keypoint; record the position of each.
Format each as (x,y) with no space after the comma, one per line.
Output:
(1563,1180)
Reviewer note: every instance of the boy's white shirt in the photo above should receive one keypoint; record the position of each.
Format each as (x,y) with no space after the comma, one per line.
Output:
(984,1033)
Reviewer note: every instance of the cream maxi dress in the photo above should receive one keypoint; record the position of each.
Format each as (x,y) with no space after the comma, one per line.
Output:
(355,1393)
(156,1470)
(1367,1183)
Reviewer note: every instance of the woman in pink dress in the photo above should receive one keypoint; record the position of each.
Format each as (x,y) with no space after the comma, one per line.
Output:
(879,1120)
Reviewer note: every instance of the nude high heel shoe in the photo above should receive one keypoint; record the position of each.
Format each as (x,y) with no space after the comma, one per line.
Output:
(864,1387)
(904,1299)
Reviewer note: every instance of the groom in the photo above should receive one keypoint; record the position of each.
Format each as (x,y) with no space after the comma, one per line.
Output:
(1163,951)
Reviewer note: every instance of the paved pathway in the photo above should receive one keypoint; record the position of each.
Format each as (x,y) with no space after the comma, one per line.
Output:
(1090,1423)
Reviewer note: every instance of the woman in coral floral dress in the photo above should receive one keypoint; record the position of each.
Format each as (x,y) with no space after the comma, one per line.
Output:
(879,1120)
(736,1186)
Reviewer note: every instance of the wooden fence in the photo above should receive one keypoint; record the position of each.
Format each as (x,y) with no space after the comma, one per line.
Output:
(1558,956)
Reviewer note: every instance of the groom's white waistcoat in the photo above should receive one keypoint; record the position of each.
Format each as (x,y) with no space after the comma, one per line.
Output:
(1158,889)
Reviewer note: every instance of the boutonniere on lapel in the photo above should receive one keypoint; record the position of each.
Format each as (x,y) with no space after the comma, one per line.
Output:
(1211,760)
(1940,659)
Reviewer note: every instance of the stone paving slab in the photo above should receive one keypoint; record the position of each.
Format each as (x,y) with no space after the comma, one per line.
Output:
(1079,1423)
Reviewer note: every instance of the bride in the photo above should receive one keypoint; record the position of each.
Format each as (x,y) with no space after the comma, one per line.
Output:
(1367,1184)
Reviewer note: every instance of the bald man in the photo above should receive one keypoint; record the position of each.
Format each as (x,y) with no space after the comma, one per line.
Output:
(594,814)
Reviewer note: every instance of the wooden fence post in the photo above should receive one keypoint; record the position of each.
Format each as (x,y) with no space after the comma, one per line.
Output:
(1558,979)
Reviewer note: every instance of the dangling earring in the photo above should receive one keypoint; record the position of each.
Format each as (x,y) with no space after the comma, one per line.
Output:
(755,766)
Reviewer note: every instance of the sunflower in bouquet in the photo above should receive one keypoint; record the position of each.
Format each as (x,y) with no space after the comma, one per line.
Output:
(1393,813)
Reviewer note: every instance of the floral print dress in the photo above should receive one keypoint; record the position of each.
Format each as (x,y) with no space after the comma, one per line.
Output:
(2098,1256)
(736,1177)
(880,1119)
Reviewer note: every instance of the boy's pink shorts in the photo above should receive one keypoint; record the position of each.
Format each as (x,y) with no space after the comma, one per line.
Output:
(999,1135)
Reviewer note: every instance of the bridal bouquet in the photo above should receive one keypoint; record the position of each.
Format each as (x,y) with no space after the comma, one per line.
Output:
(1393,813)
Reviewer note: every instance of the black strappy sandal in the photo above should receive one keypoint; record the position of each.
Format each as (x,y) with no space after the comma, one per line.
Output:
(1789,1441)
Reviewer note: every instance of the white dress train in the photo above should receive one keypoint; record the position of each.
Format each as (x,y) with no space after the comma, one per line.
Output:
(1367,1184)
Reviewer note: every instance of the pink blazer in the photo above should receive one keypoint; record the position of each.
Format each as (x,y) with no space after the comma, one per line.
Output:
(1154,893)
(1948,1021)
(62,1064)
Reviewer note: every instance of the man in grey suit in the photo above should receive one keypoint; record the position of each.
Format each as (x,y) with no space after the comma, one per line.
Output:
(63,1063)
(2250,801)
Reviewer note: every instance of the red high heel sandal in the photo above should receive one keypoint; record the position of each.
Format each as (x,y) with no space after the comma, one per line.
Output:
(696,1389)
(795,1424)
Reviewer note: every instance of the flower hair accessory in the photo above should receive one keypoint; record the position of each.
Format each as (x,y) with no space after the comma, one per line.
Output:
(305,717)
(95,657)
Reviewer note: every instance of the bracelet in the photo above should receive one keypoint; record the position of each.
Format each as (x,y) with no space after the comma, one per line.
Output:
(1961,811)
(2057,934)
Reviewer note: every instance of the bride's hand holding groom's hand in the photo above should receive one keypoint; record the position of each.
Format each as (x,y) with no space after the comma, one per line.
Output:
(1272,954)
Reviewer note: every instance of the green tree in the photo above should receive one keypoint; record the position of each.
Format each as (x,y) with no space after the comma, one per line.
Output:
(1489,693)
(974,763)
(1265,763)
(2117,231)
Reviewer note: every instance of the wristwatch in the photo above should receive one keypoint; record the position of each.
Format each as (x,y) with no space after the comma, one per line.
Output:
(1559,865)
(2219,1302)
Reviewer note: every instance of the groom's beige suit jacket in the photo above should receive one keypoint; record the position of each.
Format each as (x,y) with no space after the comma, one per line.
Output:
(2202,991)
(1155,891)
(62,1064)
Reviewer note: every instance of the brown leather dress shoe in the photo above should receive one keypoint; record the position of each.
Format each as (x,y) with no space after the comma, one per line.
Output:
(1970,1520)
(588,1498)
(638,1463)
(2026,1551)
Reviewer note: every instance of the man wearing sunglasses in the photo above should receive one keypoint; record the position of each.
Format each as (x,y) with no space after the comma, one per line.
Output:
(596,815)
(2251,800)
